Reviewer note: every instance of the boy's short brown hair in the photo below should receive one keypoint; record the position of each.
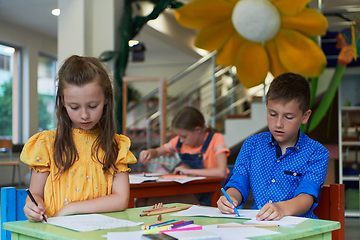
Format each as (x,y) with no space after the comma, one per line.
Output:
(290,86)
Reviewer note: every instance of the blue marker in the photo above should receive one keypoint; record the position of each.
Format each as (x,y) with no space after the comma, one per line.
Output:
(228,198)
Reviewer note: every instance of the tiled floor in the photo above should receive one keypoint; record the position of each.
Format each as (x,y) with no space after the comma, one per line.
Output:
(352,228)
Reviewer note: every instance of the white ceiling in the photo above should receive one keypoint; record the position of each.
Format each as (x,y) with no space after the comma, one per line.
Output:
(32,14)
(36,14)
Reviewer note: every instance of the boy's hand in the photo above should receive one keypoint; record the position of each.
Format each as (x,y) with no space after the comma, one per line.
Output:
(34,213)
(225,206)
(271,211)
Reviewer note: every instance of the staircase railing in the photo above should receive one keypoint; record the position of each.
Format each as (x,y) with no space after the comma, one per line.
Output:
(217,93)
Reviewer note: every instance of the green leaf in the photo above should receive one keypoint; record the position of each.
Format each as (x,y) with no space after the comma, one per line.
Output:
(106,56)
(328,98)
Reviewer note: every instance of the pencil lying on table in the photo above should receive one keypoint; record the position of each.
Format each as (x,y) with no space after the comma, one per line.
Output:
(246,225)
(156,209)
(161,211)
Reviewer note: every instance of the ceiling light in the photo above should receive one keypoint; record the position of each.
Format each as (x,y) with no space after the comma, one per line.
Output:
(56,12)
(133,43)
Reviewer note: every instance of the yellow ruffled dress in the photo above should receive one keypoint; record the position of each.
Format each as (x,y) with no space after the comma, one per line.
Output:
(85,179)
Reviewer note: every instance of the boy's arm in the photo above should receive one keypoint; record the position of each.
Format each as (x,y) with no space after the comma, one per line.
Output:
(306,192)
(293,207)
(117,201)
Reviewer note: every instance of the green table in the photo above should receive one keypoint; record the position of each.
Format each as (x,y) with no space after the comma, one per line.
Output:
(309,229)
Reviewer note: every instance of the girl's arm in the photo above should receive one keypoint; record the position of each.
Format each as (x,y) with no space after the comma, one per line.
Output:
(218,171)
(293,207)
(37,185)
(147,155)
(117,201)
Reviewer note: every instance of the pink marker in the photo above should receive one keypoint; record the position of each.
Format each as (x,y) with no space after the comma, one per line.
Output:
(182,229)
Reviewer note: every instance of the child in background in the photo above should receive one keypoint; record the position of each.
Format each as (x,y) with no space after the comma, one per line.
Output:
(202,150)
(81,166)
(284,168)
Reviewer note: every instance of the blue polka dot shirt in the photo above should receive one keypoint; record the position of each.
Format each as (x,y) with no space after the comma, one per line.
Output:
(273,177)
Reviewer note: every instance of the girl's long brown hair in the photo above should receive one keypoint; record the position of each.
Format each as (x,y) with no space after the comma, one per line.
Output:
(79,71)
(188,118)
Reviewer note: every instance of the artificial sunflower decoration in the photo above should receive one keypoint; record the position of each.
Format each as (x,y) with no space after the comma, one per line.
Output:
(258,36)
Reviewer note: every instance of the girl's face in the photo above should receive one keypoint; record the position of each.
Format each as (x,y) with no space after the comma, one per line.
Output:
(190,138)
(84,104)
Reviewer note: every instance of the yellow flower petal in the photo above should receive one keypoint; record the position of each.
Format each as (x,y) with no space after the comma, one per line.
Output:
(213,37)
(276,67)
(233,2)
(226,55)
(201,13)
(299,54)
(290,7)
(252,64)
(309,22)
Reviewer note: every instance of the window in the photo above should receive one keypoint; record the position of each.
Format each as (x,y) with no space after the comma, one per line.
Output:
(6,92)
(4,62)
(46,92)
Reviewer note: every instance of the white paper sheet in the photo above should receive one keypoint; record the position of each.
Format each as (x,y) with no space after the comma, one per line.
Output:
(238,233)
(225,233)
(90,222)
(139,178)
(215,212)
(285,221)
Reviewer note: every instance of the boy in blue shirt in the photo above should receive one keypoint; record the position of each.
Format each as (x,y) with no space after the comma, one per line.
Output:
(284,168)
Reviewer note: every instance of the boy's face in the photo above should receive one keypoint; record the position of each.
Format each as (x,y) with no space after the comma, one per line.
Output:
(284,120)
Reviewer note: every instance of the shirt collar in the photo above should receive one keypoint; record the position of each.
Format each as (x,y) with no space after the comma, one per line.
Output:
(297,145)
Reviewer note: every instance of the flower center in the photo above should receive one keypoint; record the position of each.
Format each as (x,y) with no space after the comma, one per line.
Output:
(256,20)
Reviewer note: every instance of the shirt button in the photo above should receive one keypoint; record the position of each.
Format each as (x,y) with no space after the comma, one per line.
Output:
(199,156)
(273,180)
(297,148)
(294,174)
(270,201)
(278,160)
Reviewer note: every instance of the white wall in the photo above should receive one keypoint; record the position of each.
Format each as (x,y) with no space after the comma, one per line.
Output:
(31,44)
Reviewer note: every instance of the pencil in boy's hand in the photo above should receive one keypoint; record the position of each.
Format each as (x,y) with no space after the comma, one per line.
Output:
(228,198)
(33,200)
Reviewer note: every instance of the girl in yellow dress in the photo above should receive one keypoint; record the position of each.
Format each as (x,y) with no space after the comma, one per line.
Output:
(81,166)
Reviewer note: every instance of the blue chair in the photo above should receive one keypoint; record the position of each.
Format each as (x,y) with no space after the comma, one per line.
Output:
(12,204)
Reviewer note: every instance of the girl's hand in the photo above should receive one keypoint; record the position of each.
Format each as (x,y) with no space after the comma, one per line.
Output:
(271,211)
(225,206)
(182,169)
(34,213)
(145,156)
(65,210)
